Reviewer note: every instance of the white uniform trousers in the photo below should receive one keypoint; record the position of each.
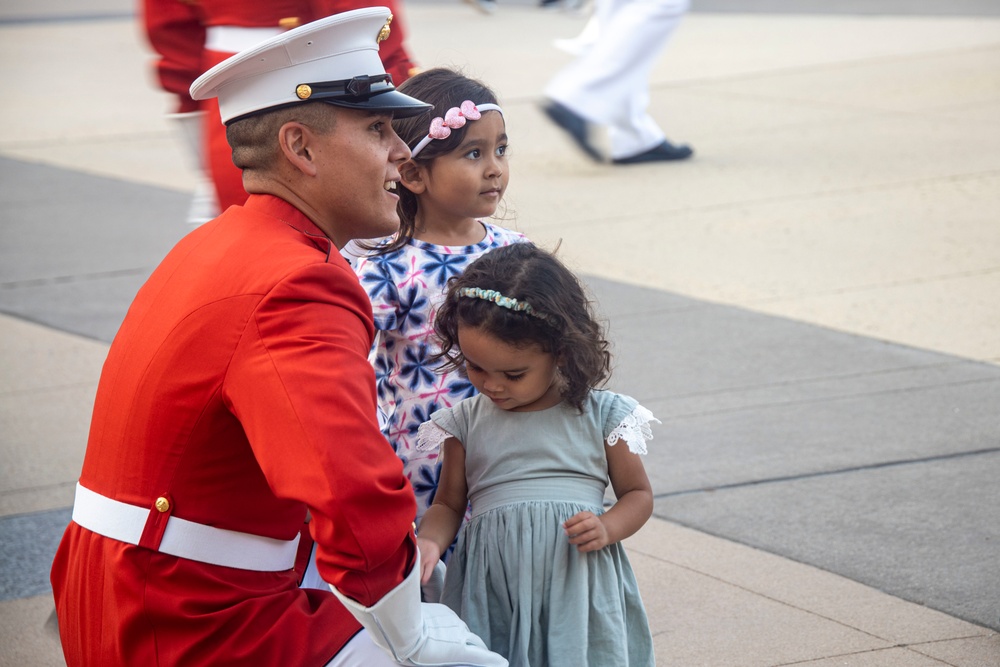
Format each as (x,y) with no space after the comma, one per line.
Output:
(608,84)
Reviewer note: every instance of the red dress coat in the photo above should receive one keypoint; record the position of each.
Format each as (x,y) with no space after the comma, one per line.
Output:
(176,31)
(238,387)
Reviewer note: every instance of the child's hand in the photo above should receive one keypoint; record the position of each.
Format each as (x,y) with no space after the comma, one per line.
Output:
(587,532)
(430,554)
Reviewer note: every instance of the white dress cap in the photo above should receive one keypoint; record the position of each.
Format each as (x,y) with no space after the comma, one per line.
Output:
(334,59)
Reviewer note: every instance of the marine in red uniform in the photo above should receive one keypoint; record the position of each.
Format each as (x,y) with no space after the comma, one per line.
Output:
(237,395)
(191,36)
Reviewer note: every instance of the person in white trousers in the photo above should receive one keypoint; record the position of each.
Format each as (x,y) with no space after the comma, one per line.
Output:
(608,83)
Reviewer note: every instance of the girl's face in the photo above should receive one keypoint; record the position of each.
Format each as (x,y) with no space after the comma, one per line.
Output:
(470,181)
(519,379)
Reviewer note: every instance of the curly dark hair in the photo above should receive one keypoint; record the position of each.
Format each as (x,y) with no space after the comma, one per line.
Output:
(443,88)
(562,322)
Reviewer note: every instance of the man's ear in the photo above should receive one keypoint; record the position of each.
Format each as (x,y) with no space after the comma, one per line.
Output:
(295,143)
(411,175)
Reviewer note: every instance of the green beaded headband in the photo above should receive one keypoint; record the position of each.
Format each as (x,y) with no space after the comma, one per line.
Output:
(499,299)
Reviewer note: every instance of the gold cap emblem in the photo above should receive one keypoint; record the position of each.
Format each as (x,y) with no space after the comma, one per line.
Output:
(383,34)
(162,504)
(303,91)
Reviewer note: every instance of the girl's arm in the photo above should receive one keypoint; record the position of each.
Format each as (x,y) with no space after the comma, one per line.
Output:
(634,507)
(443,518)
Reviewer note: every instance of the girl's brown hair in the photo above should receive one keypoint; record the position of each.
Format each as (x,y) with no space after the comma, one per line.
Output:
(561,321)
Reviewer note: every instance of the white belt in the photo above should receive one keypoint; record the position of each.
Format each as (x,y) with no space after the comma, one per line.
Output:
(232,39)
(184,539)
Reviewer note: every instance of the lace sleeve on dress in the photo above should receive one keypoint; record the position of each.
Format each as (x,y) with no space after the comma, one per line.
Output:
(634,430)
(430,437)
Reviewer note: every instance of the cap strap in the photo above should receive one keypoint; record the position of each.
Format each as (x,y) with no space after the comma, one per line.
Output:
(356,89)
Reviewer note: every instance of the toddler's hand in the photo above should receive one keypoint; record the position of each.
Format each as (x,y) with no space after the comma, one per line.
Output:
(430,554)
(586,531)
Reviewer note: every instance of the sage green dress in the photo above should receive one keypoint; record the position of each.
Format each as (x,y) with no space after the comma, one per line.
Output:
(514,577)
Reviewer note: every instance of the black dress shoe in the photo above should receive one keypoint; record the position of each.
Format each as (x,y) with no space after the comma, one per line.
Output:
(575,126)
(662,153)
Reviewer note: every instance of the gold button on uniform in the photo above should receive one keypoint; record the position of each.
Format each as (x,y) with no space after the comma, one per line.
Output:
(162,504)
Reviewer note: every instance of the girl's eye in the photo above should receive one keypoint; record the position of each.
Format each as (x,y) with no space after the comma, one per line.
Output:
(514,378)
(471,368)
(474,154)
(502,150)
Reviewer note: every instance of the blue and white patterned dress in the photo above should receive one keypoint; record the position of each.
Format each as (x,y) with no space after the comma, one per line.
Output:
(405,287)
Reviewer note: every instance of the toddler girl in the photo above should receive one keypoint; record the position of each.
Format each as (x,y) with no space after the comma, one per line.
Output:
(455,178)
(539,571)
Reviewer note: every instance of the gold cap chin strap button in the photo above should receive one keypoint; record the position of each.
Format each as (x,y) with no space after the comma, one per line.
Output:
(303,91)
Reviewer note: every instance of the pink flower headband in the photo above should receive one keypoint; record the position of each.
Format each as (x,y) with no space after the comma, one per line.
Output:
(455,118)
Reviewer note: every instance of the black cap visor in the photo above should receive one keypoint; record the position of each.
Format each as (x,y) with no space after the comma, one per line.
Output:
(402,106)
(372,92)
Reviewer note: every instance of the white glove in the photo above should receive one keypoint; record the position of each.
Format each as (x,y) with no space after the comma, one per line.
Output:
(417,633)
(434,587)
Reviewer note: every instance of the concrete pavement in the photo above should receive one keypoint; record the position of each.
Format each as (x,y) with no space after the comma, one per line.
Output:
(808,305)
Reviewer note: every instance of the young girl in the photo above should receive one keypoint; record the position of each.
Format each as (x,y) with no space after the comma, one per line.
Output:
(456,177)
(539,572)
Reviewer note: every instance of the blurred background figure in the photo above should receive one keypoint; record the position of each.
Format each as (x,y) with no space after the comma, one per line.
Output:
(485,6)
(191,36)
(608,83)
(575,46)
(565,5)
(490,6)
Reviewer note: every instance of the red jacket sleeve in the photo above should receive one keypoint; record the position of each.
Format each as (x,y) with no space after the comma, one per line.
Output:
(303,389)
(175,31)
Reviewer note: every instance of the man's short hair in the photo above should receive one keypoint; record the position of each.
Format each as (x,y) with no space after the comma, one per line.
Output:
(254,139)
